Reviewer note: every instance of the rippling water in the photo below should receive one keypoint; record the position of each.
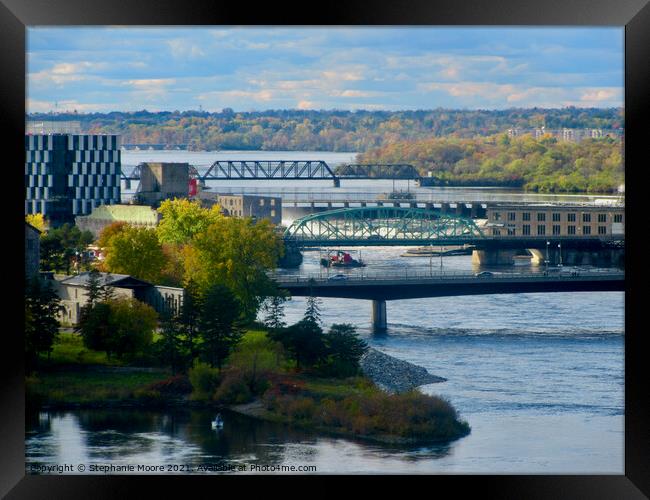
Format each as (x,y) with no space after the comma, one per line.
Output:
(539,377)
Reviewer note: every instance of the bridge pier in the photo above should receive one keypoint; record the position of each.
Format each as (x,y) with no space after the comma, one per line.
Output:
(379,322)
(494,257)
(337,182)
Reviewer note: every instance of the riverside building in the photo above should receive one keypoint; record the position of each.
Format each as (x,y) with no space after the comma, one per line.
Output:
(70,174)
(548,220)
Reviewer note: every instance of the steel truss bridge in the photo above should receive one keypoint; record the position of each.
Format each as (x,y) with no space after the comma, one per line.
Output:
(380,226)
(292,169)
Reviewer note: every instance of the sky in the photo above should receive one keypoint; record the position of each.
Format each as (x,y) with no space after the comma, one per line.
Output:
(103,69)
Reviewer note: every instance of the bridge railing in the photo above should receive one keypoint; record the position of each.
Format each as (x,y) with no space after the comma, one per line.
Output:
(447,275)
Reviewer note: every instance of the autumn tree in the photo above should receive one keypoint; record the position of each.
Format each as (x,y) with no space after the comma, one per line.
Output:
(36,220)
(136,251)
(103,241)
(236,253)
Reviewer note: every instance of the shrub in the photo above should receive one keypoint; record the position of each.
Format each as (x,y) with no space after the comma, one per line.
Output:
(234,389)
(204,380)
(176,386)
(147,396)
(258,352)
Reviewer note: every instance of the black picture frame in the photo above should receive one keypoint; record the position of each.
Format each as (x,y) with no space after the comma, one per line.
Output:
(15,15)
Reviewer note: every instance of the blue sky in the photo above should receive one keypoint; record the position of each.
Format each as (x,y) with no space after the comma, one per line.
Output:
(211,68)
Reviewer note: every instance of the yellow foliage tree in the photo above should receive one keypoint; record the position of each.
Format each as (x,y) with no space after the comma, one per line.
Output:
(37,220)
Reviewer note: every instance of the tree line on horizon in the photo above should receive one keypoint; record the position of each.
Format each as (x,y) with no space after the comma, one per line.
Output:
(326,130)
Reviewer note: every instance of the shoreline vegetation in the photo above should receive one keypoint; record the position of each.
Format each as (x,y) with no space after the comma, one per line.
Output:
(257,381)
(455,147)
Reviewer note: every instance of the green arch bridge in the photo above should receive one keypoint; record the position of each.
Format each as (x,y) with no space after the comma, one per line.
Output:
(381,226)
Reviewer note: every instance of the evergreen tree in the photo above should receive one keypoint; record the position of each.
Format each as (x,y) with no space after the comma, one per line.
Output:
(312,312)
(344,349)
(42,305)
(94,288)
(172,347)
(189,319)
(274,308)
(218,325)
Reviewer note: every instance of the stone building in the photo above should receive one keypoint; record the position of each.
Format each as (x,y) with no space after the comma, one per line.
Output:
(162,181)
(73,292)
(244,205)
(548,220)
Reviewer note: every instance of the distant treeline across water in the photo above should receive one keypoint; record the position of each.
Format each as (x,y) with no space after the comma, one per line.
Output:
(462,147)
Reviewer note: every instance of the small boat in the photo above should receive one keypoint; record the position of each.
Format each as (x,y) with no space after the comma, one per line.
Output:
(445,251)
(341,259)
(217,423)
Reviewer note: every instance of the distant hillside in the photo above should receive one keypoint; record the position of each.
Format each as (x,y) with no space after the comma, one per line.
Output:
(326,130)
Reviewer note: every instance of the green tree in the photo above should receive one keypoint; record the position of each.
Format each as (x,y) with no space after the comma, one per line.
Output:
(274,311)
(344,349)
(312,311)
(136,251)
(172,346)
(218,326)
(182,219)
(132,324)
(42,306)
(189,319)
(94,326)
(236,253)
(93,288)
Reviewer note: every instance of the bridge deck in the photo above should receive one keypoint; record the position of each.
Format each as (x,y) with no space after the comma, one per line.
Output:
(449,284)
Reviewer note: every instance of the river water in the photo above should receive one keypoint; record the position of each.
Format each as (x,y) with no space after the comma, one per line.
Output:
(539,377)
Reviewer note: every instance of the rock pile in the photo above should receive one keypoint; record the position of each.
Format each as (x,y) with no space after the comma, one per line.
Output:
(394,375)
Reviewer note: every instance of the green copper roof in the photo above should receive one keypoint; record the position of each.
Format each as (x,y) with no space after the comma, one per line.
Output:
(132,214)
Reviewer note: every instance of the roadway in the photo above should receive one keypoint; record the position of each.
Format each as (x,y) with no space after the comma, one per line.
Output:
(420,285)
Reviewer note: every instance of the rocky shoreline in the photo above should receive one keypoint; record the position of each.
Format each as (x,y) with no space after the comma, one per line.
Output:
(394,375)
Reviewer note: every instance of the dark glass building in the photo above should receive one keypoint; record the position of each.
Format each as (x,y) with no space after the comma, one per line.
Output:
(68,175)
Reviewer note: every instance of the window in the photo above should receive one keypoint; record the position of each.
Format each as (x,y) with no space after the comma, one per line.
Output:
(262,202)
(272,213)
(586,217)
(511,232)
(525,229)
(525,216)
(541,217)
(602,217)
(586,229)
(497,216)
(512,215)
(602,230)
(556,229)
(618,218)
(496,232)
(541,230)
(571,217)
(556,217)
(571,230)
(272,202)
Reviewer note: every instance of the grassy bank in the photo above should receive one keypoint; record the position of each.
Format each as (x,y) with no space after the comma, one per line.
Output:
(258,381)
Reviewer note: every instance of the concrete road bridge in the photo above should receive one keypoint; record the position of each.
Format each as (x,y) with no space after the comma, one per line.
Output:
(382,288)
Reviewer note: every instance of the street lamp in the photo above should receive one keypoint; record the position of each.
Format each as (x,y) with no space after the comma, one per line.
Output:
(547,245)
(559,247)
(443,249)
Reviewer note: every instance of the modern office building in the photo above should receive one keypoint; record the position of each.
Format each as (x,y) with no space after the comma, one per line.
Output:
(69,174)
